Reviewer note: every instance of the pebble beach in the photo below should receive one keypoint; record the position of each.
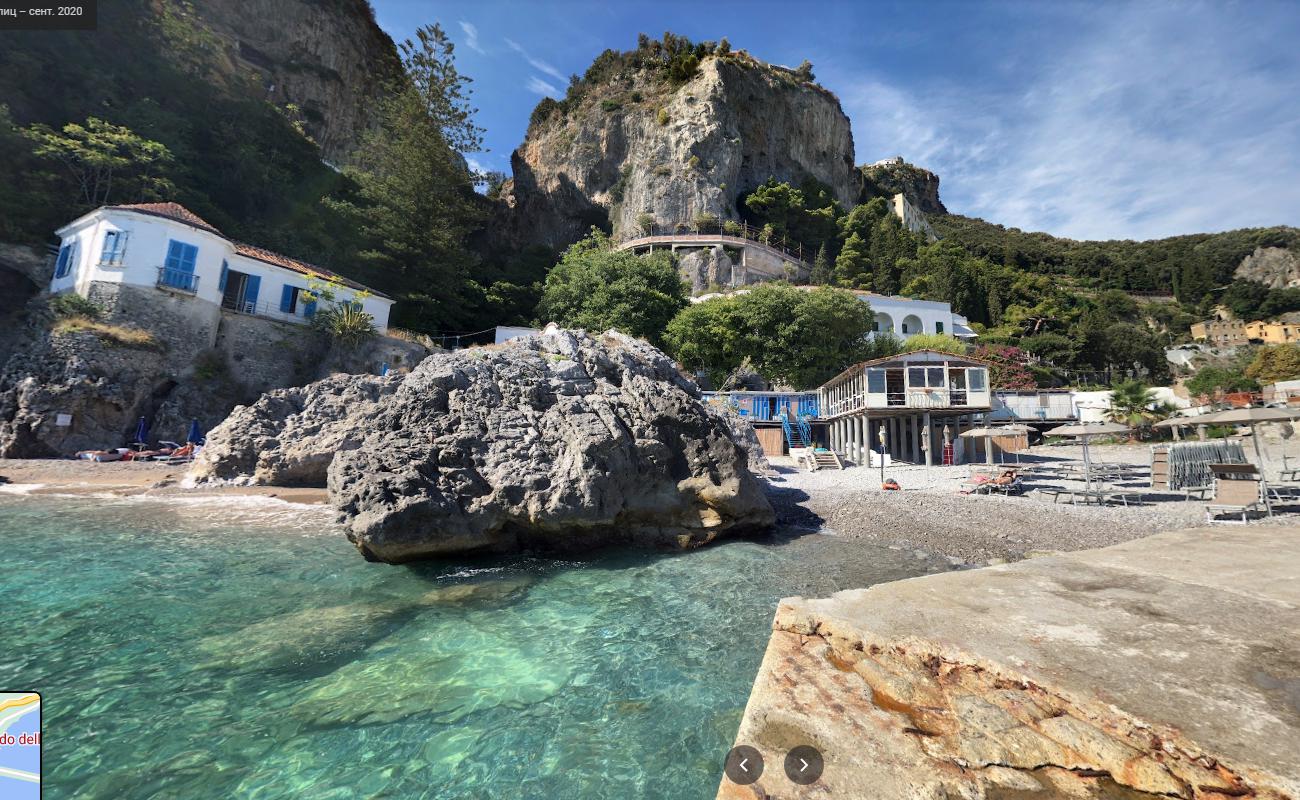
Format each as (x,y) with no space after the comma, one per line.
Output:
(930,513)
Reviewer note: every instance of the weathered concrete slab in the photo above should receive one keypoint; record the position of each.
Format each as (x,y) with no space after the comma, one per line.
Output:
(1164,667)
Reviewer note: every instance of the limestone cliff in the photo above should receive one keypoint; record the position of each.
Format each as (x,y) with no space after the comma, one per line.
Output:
(1276,267)
(330,59)
(895,176)
(635,148)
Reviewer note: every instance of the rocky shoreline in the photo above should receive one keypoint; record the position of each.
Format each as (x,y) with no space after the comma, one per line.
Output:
(1160,668)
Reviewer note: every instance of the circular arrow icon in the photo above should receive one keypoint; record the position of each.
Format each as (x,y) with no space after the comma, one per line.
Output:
(803,765)
(744,765)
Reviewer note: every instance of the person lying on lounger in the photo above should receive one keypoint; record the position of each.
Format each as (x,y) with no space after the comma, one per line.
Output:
(99,455)
(1006,478)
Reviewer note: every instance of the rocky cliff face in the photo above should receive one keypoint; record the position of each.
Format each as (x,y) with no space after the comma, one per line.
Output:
(153,356)
(1276,267)
(559,442)
(895,176)
(639,150)
(328,58)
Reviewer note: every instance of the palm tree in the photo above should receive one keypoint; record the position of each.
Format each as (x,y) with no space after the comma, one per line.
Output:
(1131,404)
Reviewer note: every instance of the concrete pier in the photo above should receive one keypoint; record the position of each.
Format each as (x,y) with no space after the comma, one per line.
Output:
(1164,667)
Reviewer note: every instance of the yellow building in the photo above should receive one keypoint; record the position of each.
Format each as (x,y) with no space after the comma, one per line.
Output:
(1221,333)
(1271,332)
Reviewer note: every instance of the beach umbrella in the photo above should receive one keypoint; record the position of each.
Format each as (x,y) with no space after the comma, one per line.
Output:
(1249,417)
(1085,432)
(141,433)
(195,435)
(983,433)
(1016,429)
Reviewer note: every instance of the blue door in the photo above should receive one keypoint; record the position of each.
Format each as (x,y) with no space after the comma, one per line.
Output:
(178,270)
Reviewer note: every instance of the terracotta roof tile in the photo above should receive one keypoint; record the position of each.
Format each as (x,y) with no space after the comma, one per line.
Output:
(174,211)
(301,267)
(180,213)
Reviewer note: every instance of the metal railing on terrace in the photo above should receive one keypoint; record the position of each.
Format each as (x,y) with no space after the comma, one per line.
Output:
(742,232)
(269,310)
(178,279)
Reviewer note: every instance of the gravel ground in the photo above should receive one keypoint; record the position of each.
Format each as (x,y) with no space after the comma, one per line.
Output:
(930,514)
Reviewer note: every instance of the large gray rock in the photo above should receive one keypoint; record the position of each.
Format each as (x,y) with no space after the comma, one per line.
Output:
(1275,267)
(288,437)
(706,269)
(561,442)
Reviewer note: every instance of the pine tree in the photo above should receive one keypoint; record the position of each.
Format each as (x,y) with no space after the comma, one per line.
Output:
(853,266)
(821,271)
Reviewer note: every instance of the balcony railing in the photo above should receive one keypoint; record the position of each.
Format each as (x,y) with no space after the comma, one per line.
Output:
(178,279)
(269,310)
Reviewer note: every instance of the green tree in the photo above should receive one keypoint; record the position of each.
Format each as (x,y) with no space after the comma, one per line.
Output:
(788,335)
(1052,348)
(943,342)
(706,337)
(1209,380)
(821,271)
(597,288)
(101,157)
(807,214)
(1275,363)
(414,203)
(852,267)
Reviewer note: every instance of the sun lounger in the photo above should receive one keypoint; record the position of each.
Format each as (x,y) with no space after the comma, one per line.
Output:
(181,455)
(1237,490)
(1017,486)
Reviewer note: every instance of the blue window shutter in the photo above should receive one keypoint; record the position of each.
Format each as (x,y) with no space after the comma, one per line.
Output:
(181,256)
(61,268)
(225,271)
(110,248)
(286,299)
(173,255)
(309,310)
(250,289)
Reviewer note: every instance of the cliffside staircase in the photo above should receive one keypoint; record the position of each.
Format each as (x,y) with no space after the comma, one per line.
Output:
(798,435)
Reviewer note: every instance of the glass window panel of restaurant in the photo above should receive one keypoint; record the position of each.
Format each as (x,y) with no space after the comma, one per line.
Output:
(916,377)
(976,378)
(934,376)
(875,381)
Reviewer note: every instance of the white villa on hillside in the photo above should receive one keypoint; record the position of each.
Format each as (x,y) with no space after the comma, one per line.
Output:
(167,248)
(906,317)
(901,316)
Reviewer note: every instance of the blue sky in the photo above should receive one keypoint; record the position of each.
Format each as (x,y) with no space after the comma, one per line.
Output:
(1097,120)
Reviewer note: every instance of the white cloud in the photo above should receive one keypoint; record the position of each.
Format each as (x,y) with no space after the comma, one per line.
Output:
(471,37)
(1165,120)
(536,84)
(537,63)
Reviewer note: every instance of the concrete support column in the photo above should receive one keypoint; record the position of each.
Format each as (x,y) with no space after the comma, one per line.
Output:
(895,438)
(928,440)
(835,435)
(860,433)
(915,422)
(970,443)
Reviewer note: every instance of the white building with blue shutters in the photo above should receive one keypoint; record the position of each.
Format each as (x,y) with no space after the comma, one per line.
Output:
(166,248)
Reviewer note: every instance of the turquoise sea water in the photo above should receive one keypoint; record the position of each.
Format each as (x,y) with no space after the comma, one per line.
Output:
(241,648)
